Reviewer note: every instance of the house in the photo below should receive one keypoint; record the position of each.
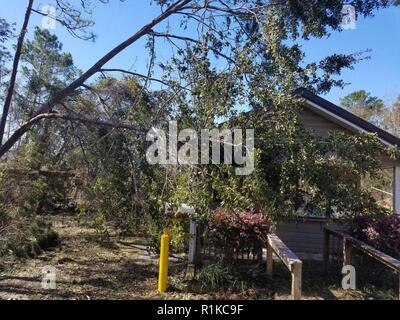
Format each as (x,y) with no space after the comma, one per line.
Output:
(322,116)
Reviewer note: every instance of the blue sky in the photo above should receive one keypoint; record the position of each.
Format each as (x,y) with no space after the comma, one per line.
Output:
(116,21)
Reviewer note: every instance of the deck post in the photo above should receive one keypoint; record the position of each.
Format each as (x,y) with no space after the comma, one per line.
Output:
(192,241)
(296,271)
(326,250)
(396,190)
(269,259)
(190,273)
(346,252)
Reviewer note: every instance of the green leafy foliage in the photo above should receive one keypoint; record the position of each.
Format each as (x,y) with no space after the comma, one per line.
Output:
(364,105)
(30,239)
(115,181)
(6,34)
(243,57)
(179,239)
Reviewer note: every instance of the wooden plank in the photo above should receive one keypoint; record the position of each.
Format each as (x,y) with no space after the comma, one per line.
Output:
(306,244)
(292,262)
(305,227)
(321,125)
(346,252)
(378,255)
(269,259)
(282,251)
(305,250)
(369,250)
(387,162)
(295,236)
(314,118)
(311,244)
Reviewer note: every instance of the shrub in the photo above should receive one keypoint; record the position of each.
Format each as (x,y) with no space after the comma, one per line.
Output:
(238,230)
(23,192)
(44,235)
(178,230)
(214,276)
(28,240)
(381,233)
(153,236)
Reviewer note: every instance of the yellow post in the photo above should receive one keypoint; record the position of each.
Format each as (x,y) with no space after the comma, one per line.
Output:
(163,271)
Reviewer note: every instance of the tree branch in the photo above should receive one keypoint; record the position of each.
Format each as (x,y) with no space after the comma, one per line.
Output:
(82,119)
(17,56)
(167,83)
(62,94)
(184,38)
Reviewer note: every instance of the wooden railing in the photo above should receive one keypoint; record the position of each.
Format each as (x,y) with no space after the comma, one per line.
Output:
(349,243)
(213,249)
(291,261)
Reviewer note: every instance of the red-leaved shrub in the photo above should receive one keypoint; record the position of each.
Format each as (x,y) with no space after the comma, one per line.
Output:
(239,230)
(381,233)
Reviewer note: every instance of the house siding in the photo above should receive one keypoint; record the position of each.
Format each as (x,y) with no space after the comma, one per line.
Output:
(320,125)
(305,236)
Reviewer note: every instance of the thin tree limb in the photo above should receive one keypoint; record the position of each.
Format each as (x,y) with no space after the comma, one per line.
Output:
(82,119)
(167,83)
(184,38)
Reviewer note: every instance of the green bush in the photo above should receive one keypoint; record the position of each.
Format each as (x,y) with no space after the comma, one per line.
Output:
(177,231)
(153,235)
(179,241)
(29,241)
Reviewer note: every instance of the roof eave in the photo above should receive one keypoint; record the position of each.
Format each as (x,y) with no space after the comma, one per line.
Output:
(346,117)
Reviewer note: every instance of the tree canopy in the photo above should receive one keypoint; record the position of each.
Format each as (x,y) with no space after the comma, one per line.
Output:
(225,54)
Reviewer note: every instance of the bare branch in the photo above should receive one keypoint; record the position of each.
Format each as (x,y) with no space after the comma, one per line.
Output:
(167,83)
(62,94)
(70,29)
(82,119)
(184,38)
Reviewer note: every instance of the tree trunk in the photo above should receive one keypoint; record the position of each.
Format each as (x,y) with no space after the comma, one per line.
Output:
(17,56)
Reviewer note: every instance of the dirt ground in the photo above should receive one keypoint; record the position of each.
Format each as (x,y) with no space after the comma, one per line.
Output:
(124,269)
